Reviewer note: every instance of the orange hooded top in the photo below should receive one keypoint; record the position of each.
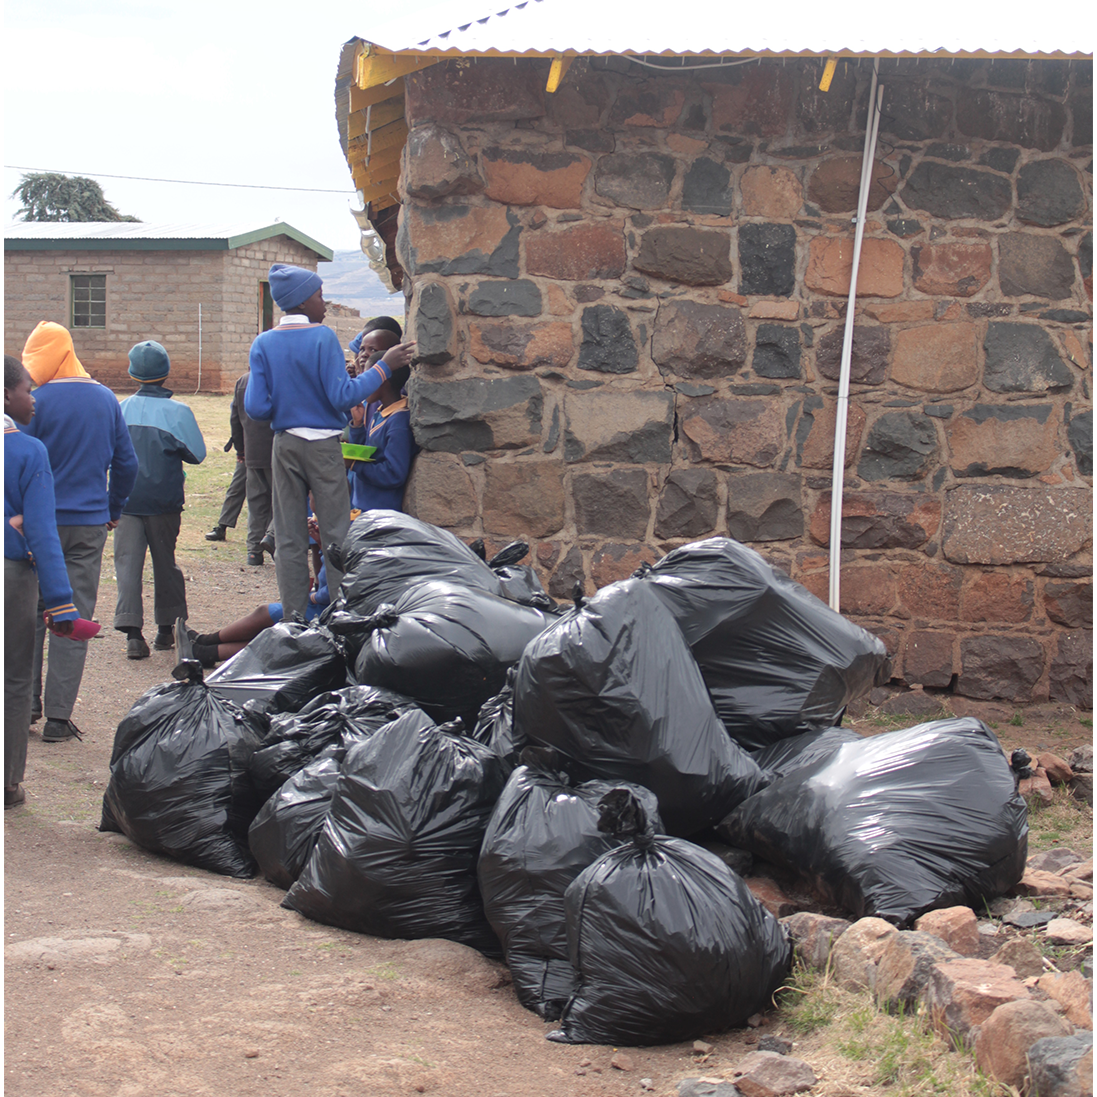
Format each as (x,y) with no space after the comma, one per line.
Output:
(49,354)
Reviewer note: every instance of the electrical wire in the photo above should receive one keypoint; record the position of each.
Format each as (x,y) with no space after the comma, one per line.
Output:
(684,67)
(189,182)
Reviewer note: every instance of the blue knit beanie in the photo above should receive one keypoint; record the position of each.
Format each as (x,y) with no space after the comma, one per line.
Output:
(290,286)
(149,362)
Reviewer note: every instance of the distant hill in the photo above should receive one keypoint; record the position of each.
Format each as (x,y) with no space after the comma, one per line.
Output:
(349,281)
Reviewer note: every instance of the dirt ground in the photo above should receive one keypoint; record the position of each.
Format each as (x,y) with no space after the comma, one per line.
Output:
(129,975)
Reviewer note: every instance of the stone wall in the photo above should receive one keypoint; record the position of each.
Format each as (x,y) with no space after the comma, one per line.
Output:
(151,295)
(630,295)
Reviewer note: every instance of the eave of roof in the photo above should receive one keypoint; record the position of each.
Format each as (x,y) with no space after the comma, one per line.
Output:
(138,236)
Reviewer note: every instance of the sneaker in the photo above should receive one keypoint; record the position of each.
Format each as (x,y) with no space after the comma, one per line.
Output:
(267,545)
(255,559)
(58,731)
(216,534)
(14,795)
(164,639)
(136,648)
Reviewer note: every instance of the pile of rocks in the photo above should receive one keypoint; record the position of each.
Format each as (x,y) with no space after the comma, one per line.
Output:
(1050,769)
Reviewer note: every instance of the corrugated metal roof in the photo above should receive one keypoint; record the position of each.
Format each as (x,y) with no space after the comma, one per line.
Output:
(793,27)
(150,236)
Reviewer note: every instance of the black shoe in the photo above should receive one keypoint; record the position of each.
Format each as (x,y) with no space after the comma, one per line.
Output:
(136,648)
(14,795)
(267,545)
(217,533)
(255,559)
(165,638)
(36,713)
(60,731)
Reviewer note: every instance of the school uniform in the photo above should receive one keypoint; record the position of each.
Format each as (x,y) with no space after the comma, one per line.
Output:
(33,560)
(378,484)
(165,434)
(256,443)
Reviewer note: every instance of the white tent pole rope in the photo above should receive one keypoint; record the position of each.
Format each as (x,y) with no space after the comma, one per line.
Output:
(841,411)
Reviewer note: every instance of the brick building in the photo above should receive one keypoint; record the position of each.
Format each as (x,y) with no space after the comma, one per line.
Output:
(200,290)
(628,268)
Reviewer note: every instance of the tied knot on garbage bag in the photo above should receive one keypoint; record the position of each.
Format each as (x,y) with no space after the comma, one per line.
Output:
(621,815)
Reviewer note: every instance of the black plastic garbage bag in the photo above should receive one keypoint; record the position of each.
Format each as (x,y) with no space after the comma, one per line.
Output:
(776,659)
(782,757)
(519,581)
(494,725)
(179,781)
(397,853)
(283,834)
(668,942)
(542,834)
(331,719)
(898,824)
(613,687)
(447,646)
(282,668)
(385,552)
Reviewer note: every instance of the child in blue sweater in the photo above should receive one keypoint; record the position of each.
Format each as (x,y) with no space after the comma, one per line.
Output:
(299,382)
(378,484)
(32,559)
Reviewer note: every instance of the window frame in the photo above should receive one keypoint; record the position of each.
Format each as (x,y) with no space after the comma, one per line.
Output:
(95,309)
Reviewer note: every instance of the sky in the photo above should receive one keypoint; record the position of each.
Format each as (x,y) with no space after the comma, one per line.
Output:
(218,92)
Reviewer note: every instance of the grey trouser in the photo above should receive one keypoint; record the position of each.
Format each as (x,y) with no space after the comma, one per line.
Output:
(83,549)
(20,602)
(234,497)
(301,466)
(156,533)
(260,508)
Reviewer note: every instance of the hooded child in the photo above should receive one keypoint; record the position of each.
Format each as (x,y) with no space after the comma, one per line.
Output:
(33,561)
(299,383)
(94,468)
(165,435)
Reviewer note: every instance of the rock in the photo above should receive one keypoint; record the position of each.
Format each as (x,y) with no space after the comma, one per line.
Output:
(737,430)
(1028,919)
(1037,265)
(611,425)
(477,413)
(767,1074)
(855,955)
(900,446)
(1070,679)
(514,297)
(914,113)
(992,440)
(621,1061)
(441,491)
(522,346)
(818,420)
(701,1048)
(647,1084)
(928,659)
(905,968)
(698,341)
(656,103)
(961,994)
(1022,358)
(699,1087)
(1001,1048)
(1061,1066)
(755,101)
(608,345)
(639,181)
(612,502)
(524,499)
(524,178)
(1080,437)
(776,351)
(1035,882)
(1081,759)
(916,702)
(770,192)
(936,358)
(612,563)
(1073,991)
(1066,931)
(868,355)
(956,926)
(694,256)
(770,895)
(1011,119)
(436,165)
(813,936)
(434,330)
(707,188)
(830,265)
(1037,788)
(951,192)
(1069,604)
(459,239)
(835,184)
(688,504)
(775,1044)
(581,253)
(493,90)
(767,259)
(952,269)
(1058,772)
(765,506)
(1021,955)
(1049,193)
(1010,525)
(1053,860)
(566,574)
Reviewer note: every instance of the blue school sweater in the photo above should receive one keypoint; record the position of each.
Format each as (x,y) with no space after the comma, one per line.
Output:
(164,435)
(94,466)
(299,379)
(379,484)
(28,490)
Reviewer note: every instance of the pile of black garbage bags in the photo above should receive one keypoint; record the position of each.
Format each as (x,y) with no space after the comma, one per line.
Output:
(448,753)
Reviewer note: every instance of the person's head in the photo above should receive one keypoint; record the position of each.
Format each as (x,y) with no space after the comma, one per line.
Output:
(297,290)
(149,363)
(380,333)
(389,391)
(49,354)
(18,401)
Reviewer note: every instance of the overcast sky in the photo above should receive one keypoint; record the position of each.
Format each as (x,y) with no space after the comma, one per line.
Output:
(218,91)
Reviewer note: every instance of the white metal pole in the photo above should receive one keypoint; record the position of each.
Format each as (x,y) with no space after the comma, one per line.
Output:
(196,391)
(841,411)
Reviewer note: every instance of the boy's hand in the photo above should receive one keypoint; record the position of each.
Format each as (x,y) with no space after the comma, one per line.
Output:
(357,415)
(399,355)
(61,628)
(16,523)
(112,524)
(314,530)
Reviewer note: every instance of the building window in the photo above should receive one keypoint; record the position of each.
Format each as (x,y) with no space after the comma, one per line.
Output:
(89,300)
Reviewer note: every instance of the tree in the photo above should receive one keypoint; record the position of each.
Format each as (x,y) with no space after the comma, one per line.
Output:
(47,196)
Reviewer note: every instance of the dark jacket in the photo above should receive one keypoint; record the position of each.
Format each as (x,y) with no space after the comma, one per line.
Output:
(252,438)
